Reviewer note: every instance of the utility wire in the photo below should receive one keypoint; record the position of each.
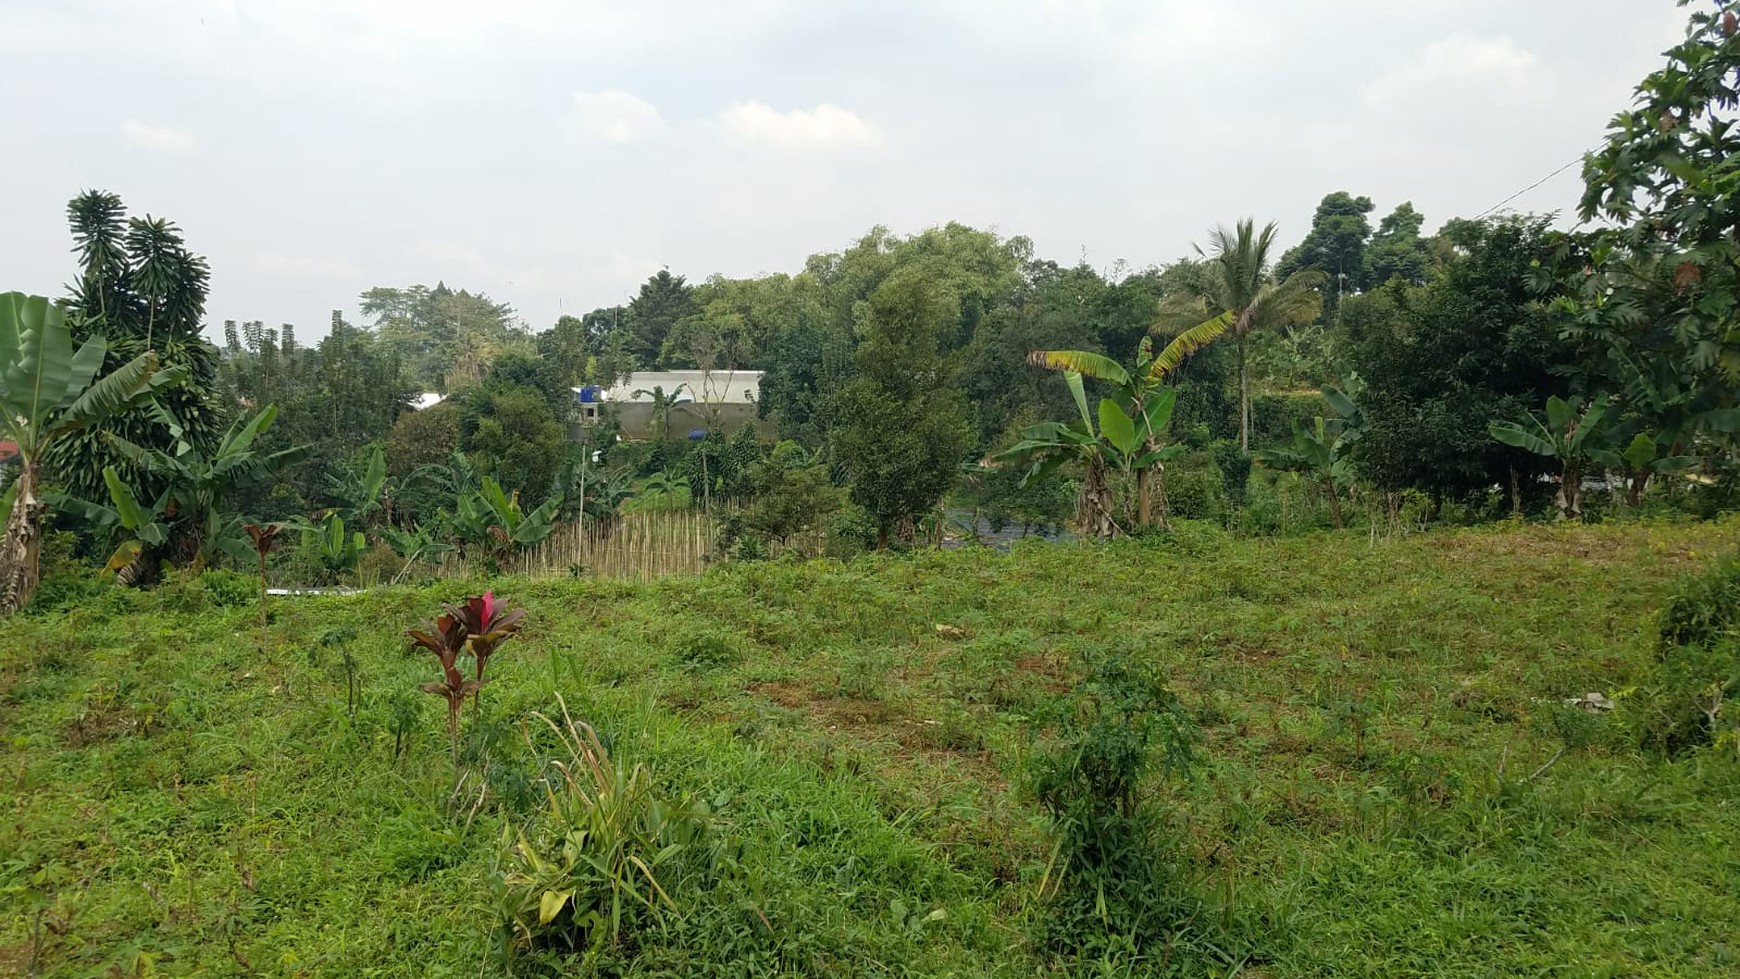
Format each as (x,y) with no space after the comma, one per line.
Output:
(1530,187)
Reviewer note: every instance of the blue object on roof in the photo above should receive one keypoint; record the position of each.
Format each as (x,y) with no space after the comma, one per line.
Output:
(591,395)
(697,434)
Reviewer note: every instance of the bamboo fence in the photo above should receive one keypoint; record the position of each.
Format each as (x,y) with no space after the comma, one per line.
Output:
(637,547)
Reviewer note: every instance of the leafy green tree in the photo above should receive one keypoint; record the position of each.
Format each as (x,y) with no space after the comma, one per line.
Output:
(1442,361)
(140,290)
(48,393)
(510,432)
(1237,296)
(1397,251)
(445,339)
(1335,246)
(663,301)
(791,495)
(1666,176)
(903,427)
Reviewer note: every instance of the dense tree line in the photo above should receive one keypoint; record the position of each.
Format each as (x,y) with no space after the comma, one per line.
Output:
(1495,366)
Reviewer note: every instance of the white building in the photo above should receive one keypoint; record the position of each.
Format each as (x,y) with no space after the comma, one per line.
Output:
(722,399)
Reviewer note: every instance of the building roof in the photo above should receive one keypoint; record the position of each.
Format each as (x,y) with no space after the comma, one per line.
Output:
(708,387)
(428,399)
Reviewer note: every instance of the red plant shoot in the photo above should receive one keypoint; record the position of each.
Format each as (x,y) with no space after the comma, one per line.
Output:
(488,623)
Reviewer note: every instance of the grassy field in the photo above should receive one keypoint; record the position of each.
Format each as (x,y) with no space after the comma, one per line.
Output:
(1392,784)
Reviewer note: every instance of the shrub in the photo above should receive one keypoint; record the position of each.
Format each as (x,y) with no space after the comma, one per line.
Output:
(609,853)
(1235,472)
(1679,704)
(1114,873)
(707,649)
(1705,608)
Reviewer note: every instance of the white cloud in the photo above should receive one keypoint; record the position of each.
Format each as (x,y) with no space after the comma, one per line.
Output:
(304,267)
(1457,64)
(615,116)
(160,138)
(824,126)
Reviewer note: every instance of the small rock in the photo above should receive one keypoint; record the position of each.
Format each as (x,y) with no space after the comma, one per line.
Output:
(951,631)
(1593,702)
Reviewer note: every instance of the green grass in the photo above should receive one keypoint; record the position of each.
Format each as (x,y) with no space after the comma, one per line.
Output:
(179,800)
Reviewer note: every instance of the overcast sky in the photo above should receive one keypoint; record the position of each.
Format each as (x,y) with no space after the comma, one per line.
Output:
(553,153)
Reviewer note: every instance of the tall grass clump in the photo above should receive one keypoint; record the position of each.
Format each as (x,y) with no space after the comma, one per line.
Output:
(609,853)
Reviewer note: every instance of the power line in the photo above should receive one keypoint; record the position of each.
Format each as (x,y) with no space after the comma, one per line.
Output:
(1530,187)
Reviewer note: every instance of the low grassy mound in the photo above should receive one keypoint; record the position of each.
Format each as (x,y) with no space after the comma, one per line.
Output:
(823,769)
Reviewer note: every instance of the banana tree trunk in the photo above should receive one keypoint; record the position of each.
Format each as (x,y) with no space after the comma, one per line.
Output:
(19,569)
(1144,505)
(1570,499)
(1093,508)
(1638,482)
(1334,503)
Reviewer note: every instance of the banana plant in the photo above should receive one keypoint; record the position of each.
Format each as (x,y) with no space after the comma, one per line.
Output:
(492,521)
(364,494)
(339,550)
(1571,433)
(1148,404)
(148,526)
(1642,459)
(1121,441)
(414,545)
(198,481)
(49,391)
(1319,453)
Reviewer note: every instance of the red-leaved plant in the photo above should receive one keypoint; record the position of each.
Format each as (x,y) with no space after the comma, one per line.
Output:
(446,639)
(488,623)
(480,622)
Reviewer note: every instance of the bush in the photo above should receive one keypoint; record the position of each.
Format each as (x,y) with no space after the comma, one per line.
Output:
(1679,705)
(1235,473)
(1193,490)
(1116,876)
(1705,609)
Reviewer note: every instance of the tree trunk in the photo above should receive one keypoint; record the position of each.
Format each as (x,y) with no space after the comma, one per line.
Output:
(1159,491)
(1634,492)
(1144,506)
(1570,499)
(1334,503)
(1244,399)
(1094,505)
(19,571)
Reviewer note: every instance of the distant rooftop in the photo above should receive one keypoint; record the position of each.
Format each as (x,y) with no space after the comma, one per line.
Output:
(428,399)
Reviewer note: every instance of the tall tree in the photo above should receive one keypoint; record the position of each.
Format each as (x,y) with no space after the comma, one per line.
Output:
(1397,250)
(1666,177)
(1441,362)
(139,289)
(664,300)
(903,426)
(1334,246)
(1236,295)
(445,338)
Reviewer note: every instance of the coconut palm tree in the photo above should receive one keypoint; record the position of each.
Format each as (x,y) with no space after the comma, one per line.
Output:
(1238,296)
(48,392)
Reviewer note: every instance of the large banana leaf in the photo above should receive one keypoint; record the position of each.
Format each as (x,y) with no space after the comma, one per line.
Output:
(1096,366)
(1510,433)
(40,369)
(126,387)
(1117,427)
